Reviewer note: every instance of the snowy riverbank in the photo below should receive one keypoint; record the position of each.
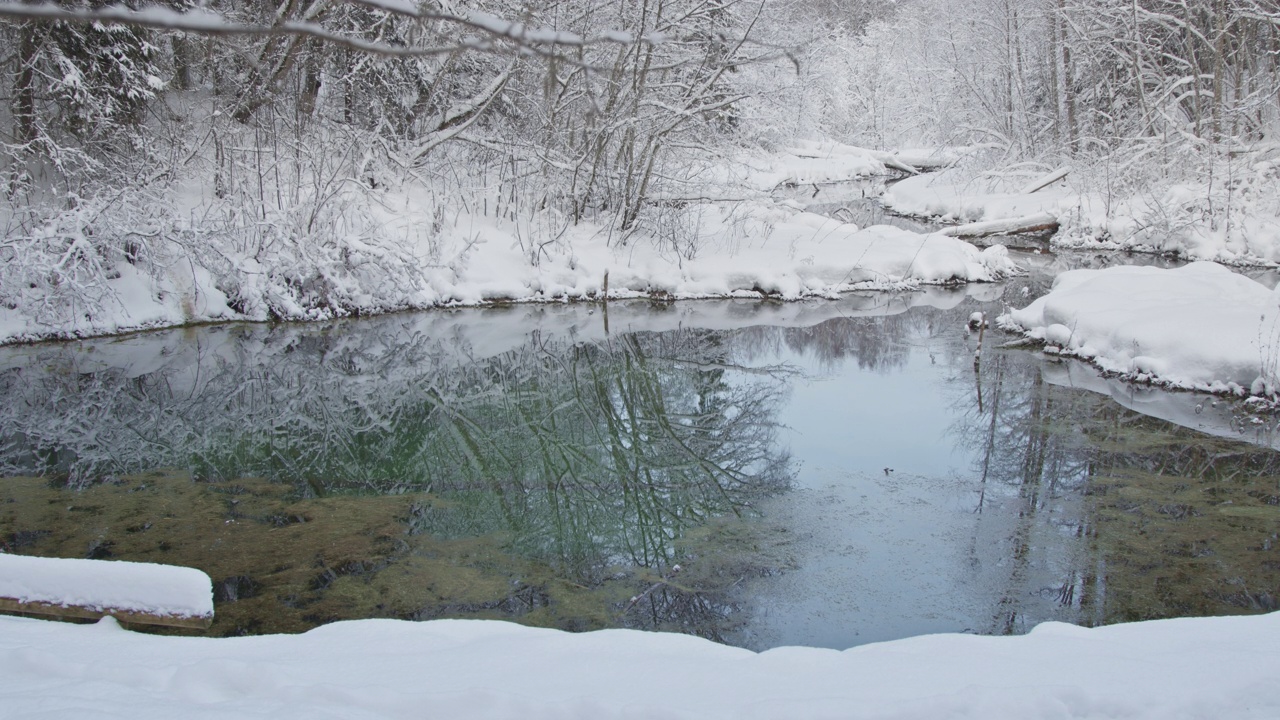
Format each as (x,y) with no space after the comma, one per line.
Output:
(398,248)
(1236,223)
(1168,669)
(1198,327)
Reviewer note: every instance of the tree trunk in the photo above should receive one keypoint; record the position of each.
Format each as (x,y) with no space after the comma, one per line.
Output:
(24,95)
(1068,80)
(1219,66)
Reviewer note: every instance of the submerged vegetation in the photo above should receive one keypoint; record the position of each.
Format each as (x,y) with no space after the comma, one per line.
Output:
(333,477)
(1120,516)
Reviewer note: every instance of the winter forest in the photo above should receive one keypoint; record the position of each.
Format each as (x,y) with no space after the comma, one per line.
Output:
(640,358)
(315,159)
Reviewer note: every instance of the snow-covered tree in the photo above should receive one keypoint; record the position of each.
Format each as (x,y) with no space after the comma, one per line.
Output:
(78,96)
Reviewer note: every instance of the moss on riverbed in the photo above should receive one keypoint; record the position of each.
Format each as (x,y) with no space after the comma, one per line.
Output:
(284,563)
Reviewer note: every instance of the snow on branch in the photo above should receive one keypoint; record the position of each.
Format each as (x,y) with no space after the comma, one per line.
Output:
(487,32)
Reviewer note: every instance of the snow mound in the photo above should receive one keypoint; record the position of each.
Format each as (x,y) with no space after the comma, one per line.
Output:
(1234,223)
(1197,327)
(107,585)
(459,669)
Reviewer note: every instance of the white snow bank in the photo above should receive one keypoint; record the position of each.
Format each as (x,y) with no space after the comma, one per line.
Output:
(1196,327)
(805,162)
(131,300)
(737,252)
(104,585)
(776,252)
(714,250)
(1235,222)
(1238,225)
(458,669)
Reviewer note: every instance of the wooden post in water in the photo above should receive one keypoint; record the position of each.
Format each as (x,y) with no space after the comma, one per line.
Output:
(982,326)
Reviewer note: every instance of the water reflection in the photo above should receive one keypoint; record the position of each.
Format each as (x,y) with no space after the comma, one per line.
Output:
(1038,500)
(1032,473)
(592,459)
(526,464)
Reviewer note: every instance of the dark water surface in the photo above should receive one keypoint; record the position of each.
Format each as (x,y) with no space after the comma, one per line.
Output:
(827,473)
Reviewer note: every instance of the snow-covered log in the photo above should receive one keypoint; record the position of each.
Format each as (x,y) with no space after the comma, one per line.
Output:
(925,162)
(1039,222)
(893,161)
(1045,181)
(133,592)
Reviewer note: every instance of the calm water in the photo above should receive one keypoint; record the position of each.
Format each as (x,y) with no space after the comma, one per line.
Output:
(765,474)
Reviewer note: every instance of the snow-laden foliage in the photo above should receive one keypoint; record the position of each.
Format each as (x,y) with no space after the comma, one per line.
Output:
(1079,77)
(315,170)
(77,99)
(1166,111)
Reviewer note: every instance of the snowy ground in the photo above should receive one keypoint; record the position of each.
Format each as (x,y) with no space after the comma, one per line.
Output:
(1199,327)
(457,669)
(1238,225)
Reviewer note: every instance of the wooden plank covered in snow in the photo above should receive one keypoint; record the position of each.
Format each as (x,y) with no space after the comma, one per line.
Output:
(133,592)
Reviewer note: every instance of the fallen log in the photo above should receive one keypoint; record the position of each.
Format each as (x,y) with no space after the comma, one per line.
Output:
(132,592)
(81,612)
(893,161)
(1040,222)
(924,163)
(1046,180)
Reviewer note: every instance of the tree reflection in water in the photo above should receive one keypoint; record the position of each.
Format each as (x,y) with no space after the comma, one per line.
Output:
(1078,509)
(594,459)
(1106,515)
